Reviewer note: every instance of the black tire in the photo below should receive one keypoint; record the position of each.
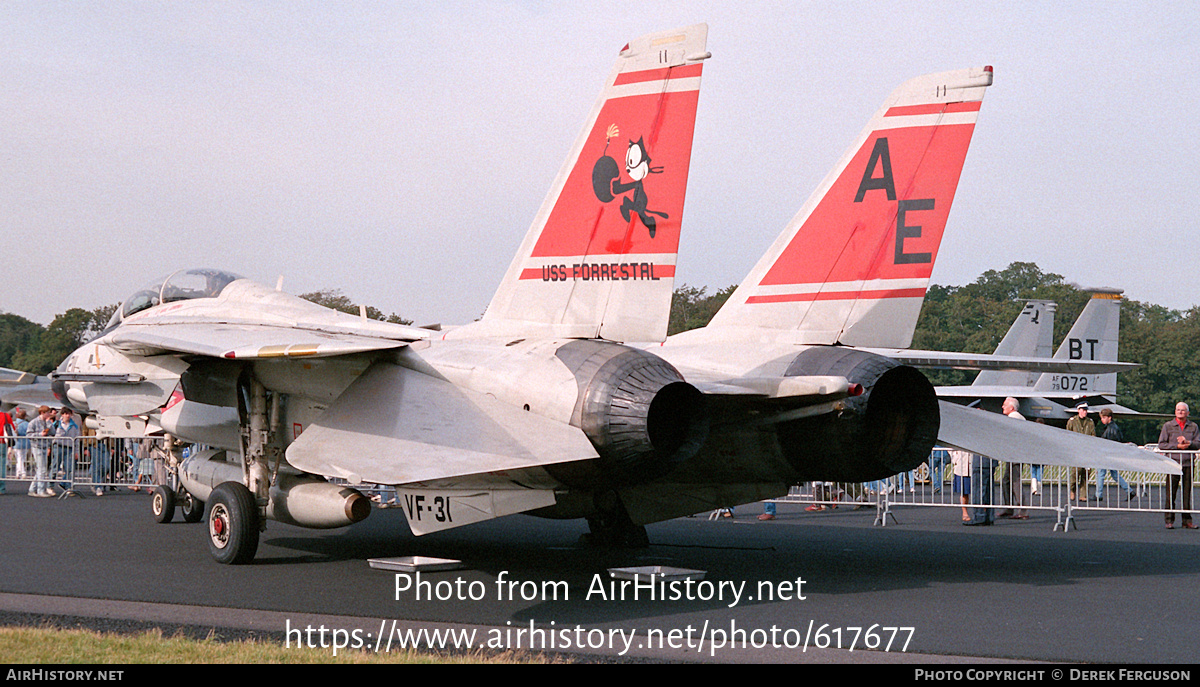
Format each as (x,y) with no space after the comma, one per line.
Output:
(162,504)
(191,507)
(232,524)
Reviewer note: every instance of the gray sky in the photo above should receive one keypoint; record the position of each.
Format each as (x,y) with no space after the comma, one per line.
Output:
(399,151)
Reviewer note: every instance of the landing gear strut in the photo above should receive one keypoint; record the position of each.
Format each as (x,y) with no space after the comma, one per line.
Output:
(612,526)
(237,510)
(171,494)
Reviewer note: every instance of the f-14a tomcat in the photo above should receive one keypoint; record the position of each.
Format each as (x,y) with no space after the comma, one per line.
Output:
(539,406)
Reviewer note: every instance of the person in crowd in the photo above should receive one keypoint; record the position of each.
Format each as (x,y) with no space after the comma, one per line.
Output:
(65,434)
(1109,430)
(21,444)
(1083,424)
(7,431)
(1180,434)
(101,460)
(39,431)
(823,491)
(937,468)
(906,480)
(143,465)
(1035,472)
(982,490)
(1011,486)
(960,461)
(768,511)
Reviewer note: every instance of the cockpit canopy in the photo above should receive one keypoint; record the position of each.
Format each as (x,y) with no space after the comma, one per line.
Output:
(178,286)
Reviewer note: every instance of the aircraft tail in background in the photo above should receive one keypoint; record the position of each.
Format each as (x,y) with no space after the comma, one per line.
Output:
(1031,335)
(1093,337)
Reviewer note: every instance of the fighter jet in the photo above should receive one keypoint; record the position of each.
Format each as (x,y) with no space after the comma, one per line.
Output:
(19,388)
(1051,396)
(535,406)
(538,407)
(1032,333)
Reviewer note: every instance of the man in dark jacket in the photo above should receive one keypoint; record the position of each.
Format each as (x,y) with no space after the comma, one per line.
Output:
(1109,430)
(1182,435)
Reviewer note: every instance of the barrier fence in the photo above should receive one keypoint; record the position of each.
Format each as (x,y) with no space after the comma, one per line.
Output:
(1010,492)
(59,466)
(63,466)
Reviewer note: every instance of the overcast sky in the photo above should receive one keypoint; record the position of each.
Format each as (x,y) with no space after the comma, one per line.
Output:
(399,151)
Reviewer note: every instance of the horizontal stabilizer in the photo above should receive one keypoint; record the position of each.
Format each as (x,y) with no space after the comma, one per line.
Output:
(29,395)
(1121,411)
(1065,399)
(984,361)
(8,376)
(19,388)
(1019,441)
(242,341)
(394,425)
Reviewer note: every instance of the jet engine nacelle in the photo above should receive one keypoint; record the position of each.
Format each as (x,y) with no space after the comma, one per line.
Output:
(637,410)
(890,428)
(295,499)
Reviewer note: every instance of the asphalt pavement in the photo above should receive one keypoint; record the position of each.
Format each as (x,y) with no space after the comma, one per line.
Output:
(1120,588)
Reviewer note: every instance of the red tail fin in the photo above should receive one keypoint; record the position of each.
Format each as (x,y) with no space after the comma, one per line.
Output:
(852,267)
(599,260)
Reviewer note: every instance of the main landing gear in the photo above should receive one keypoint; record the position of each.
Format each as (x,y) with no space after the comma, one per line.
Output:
(611,526)
(237,512)
(233,524)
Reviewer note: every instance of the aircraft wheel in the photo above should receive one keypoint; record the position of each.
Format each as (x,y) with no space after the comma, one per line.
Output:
(232,524)
(922,473)
(192,508)
(162,504)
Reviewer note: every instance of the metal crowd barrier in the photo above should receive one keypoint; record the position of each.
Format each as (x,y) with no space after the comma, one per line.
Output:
(89,465)
(1036,488)
(85,465)
(829,496)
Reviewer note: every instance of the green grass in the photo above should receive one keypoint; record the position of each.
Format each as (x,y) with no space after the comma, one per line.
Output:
(54,646)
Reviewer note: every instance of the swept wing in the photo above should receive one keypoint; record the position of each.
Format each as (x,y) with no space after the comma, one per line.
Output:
(1015,441)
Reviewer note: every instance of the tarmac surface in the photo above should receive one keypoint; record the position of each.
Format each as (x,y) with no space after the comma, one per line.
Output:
(1119,589)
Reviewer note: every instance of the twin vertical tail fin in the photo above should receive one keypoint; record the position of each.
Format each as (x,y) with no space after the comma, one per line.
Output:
(1030,336)
(599,259)
(1092,337)
(853,266)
